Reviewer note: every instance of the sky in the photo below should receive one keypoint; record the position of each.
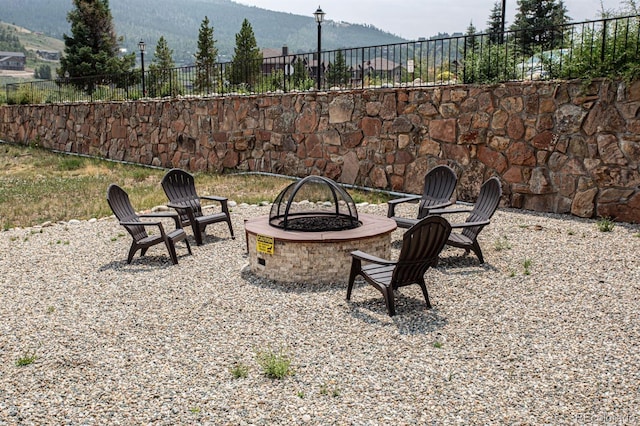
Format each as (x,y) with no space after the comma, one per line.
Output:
(412,19)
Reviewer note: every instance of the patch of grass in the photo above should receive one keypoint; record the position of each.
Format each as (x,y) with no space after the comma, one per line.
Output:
(605,224)
(26,358)
(239,370)
(275,365)
(59,187)
(301,394)
(502,244)
(527,266)
(195,410)
(637,235)
(71,163)
(437,344)
(570,232)
(51,309)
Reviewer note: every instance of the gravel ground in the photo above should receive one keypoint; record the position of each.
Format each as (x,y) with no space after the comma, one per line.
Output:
(154,343)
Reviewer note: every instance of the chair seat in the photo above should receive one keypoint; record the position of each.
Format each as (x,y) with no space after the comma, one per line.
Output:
(457,238)
(212,218)
(177,235)
(379,273)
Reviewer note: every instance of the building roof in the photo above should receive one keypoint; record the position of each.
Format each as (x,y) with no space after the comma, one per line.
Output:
(18,54)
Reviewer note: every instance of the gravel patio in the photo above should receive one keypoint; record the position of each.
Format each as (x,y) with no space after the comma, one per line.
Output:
(154,343)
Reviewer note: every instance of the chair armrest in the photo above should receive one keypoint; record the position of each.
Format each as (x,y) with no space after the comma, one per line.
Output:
(172,215)
(213,198)
(371,258)
(412,198)
(221,200)
(447,211)
(392,203)
(141,223)
(470,224)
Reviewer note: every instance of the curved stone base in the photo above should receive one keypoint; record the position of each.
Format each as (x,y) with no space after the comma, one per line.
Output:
(315,257)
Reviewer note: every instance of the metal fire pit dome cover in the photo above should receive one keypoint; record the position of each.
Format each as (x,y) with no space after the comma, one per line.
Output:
(314,204)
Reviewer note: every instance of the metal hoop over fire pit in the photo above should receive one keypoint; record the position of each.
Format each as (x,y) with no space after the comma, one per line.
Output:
(314,204)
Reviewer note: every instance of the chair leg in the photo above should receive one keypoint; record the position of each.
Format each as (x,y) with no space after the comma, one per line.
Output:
(388,300)
(356,266)
(476,249)
(230,228)
(172,250)
(423,286)
(132,252)
(188,246)
(197,233)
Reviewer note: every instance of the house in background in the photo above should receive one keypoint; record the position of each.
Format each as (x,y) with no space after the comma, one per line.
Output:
(14,61)
(50,55)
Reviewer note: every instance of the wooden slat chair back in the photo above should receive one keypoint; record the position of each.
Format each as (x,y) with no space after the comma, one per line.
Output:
(479,217)
(438,188)
(180,188)
(421,245)
(118,200)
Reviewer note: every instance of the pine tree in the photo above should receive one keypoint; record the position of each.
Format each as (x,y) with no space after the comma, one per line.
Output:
(93,48)
(162,78)
(537,25)
(247,59)
(206,72)
(471,41)
(494,24)
(338,72)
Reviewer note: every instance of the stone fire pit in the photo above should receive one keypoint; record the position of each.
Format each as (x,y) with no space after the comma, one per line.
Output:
(311,229)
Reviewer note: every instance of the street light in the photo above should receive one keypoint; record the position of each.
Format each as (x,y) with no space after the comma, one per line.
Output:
(142,46)
(504,5)
(319,15)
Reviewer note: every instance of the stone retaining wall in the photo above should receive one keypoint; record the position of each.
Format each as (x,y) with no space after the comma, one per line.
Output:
(565,147)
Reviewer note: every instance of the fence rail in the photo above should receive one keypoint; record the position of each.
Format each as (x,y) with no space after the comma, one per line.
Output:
(599,48)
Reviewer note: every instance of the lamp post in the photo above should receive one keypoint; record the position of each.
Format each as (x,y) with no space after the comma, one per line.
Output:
(142,46)
(504,6)
(319,15)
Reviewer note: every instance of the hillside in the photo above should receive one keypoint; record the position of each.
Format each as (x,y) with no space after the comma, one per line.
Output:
(179,22)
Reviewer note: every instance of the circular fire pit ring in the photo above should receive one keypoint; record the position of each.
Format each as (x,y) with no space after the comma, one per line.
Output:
(314,257)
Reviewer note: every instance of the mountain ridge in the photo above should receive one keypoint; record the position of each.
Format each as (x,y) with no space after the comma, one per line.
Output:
(179,24)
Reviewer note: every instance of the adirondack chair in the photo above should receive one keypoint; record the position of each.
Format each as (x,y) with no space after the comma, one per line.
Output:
(119,202)
(179,186)
(439,185)
(479,217)
(421,245)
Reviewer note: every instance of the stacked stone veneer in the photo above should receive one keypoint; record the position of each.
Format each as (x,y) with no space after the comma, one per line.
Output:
(314,262)
(566,147)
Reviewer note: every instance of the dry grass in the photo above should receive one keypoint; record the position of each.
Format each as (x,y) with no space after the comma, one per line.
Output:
(37,186)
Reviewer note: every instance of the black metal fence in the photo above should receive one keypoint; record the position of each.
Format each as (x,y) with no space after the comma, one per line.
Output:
(601,48)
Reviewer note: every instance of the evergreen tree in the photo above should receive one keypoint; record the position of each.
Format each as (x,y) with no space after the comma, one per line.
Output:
(471,41)
(247,59)
(537,25)
(93,48)
(301,78)
(205,59)
(338,72)
(494,24)
(42,72)
(162,75)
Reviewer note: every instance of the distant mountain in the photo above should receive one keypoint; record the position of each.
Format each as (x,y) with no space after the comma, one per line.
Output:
(179,22)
